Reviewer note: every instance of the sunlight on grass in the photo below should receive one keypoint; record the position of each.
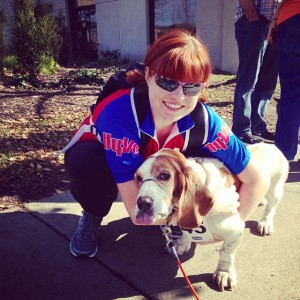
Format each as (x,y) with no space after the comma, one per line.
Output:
(4,133)
(221,79)
(7,157)
(43,123)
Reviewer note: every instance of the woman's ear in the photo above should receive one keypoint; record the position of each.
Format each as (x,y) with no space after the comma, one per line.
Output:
(147,74)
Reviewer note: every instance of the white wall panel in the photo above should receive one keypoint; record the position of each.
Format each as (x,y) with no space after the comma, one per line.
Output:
(123,25)
(215,25)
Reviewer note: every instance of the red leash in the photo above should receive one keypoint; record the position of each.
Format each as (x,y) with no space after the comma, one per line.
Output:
(170,245)
(188,281)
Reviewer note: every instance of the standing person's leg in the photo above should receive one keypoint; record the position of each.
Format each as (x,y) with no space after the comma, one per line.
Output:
(92,185)
(287,128)
(264,89)
(249,41)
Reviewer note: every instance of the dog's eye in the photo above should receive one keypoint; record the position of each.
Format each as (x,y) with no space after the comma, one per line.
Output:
(163,176)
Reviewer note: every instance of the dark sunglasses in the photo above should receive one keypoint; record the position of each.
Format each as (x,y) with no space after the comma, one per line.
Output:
(189,89)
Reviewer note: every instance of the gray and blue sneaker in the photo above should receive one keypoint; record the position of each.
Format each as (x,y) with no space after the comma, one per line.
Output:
(84,240)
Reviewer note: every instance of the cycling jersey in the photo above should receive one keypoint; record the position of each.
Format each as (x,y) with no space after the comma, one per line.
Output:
(115,124)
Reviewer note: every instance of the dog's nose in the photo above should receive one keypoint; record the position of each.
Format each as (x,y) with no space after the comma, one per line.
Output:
(144,203)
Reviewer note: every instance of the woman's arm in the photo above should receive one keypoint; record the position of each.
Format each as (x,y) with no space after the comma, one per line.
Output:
(253,189)
(128,192)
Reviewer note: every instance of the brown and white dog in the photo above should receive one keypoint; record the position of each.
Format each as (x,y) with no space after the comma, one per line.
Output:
(189,191)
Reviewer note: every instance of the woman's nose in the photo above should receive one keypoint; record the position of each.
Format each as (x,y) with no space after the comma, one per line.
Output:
(178,93)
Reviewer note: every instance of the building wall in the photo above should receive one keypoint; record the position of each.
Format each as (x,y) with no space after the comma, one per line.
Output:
(215,25)
(123,25)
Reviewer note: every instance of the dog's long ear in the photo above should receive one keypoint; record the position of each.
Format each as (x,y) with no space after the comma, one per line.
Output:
(195,203)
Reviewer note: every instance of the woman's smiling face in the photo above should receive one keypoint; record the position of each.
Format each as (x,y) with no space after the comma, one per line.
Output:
(168,106)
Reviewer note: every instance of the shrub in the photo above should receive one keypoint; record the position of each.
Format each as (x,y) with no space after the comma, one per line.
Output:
(48,65)
(47,33)
(126,61)
(88,76)
(110,57)
(23,34)
(35,34)
(10,62)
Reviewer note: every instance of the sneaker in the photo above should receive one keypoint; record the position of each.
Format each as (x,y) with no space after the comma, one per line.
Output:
(176,231)
(266,136)
(84,240)
(249,139)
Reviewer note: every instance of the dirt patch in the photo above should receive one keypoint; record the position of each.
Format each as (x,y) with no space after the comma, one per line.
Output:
(35,124)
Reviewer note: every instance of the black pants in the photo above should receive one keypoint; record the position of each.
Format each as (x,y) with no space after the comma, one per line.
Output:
(92,183)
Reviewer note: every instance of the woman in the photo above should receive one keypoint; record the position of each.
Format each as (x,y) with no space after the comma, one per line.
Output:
(177,66)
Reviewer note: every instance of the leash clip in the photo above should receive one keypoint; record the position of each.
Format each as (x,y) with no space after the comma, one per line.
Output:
(170,248)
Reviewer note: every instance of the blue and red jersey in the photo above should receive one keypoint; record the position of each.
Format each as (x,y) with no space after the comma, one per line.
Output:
(116,125)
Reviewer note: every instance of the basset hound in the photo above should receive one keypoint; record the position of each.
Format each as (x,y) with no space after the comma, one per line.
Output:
(201,193)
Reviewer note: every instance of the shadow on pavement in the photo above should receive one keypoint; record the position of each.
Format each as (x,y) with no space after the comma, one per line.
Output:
(130,262)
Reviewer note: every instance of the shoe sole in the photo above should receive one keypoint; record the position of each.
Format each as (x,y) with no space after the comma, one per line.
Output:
(253,143)
(264,140)
(83,254)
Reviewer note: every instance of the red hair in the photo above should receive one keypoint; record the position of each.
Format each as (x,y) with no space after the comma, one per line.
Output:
(177,55)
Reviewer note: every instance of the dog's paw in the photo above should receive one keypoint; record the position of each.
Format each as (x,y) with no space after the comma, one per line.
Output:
(182,245)
(265,228)
(224,280)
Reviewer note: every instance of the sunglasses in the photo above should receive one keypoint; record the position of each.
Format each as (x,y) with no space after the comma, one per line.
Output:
(189,89)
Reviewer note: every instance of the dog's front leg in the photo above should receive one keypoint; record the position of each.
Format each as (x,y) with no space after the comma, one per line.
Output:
(230,230)
(225,274)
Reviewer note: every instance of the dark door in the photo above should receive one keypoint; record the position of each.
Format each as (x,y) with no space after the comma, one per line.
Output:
(84,32)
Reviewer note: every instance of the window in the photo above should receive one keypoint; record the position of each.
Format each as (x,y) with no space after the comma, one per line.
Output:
(168,14)
(84,30)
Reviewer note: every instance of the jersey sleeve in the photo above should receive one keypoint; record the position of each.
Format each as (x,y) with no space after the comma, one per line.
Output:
(120,137)
(224,145)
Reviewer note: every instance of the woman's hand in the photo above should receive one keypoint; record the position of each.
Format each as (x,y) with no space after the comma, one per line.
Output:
(249,10)
(128,192)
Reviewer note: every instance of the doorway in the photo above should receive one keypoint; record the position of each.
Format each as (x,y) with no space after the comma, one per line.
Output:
(84,32)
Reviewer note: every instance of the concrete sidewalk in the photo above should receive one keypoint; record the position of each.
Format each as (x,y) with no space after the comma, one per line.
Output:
(35,262)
